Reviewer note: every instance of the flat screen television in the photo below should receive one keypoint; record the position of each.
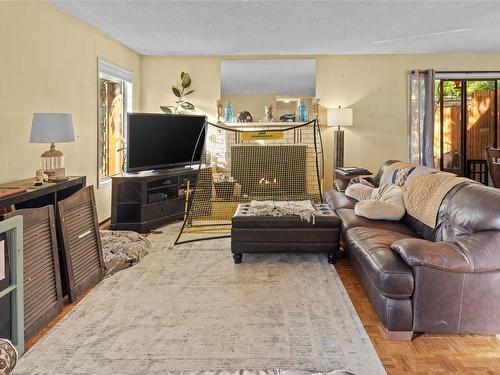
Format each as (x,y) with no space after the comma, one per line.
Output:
(161,141)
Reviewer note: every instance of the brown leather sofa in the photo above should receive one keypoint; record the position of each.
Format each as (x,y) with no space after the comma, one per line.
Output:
(421,279)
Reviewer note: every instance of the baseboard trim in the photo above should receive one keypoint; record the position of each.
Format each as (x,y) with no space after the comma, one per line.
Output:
(106,224)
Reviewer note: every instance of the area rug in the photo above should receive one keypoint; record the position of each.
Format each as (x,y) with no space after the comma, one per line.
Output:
(192,308)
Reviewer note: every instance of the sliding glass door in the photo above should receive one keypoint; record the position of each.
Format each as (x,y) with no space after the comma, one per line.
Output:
(466,123)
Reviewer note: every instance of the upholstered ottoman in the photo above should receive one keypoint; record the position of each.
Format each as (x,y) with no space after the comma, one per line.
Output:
(285,234)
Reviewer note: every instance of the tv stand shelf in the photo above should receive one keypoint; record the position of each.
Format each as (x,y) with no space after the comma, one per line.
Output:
(144,201)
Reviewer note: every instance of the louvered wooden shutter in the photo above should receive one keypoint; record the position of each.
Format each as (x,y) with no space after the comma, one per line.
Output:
(82,241)
(42,281)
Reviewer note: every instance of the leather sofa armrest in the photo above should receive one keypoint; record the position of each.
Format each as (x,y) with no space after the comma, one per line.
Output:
(477,252)
(441,255)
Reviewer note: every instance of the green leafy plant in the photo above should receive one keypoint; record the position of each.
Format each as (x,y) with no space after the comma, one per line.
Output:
(180,91)
(453,89)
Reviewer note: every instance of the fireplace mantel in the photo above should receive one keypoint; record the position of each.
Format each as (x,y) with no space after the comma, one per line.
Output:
(253,125)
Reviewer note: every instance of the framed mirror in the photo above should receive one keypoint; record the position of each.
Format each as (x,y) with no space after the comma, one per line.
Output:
(255,85)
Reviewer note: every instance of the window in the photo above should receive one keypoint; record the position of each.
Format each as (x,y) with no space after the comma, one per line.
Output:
(466,121)
(115,86)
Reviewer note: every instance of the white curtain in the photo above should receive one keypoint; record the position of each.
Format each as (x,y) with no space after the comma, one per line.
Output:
(421,117)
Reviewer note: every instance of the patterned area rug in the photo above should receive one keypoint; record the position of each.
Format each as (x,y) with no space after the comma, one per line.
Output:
(191,308)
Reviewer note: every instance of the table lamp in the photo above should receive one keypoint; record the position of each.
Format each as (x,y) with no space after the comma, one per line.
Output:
(52,128)
(339,117)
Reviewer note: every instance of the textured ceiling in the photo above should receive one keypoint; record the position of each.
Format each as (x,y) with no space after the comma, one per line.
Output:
(294,27)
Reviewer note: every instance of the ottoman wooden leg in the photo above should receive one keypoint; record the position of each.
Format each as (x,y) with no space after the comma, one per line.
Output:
(237,257)
(332,258)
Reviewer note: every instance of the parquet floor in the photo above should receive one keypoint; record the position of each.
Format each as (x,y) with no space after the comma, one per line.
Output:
(426,354)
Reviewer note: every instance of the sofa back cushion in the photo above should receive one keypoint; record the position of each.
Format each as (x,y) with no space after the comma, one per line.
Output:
(419,228)
(381,171)
(466,209)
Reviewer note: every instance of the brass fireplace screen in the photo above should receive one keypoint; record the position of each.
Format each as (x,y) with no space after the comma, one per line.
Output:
(241,164)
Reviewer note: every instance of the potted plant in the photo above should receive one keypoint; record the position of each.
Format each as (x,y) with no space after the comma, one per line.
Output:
(180,91)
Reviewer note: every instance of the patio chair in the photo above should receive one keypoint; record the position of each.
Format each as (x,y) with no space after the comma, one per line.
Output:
(494,165)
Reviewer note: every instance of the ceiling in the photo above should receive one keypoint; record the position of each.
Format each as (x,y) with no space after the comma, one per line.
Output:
(253,27)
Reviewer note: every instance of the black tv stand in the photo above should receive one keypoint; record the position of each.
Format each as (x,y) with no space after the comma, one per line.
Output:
(148,200)
(156,172)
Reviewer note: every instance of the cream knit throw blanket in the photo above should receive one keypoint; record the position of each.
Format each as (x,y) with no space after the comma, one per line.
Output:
(302,209)
(423,195)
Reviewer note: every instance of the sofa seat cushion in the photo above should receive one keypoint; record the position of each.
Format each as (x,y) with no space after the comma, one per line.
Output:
(337,199)
(350,220)
(386,270)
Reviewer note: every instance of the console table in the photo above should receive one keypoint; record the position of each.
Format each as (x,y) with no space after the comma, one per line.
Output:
(39,196)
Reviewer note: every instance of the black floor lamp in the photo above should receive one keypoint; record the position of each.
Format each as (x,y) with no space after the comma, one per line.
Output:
(339,117)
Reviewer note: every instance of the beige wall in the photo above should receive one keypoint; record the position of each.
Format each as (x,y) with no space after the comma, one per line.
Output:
(160,73)
(48,61)
(375,86)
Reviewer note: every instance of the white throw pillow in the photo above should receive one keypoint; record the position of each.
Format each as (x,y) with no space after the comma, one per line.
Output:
(378,210)
(385,203)
(360,192)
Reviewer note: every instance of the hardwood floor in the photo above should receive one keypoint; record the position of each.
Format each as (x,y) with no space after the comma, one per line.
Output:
(425,354)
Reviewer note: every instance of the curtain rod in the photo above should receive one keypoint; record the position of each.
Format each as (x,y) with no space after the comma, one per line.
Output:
(467,75)
(468,71)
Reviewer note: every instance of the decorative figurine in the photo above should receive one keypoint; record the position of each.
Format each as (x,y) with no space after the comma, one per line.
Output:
(220,111)
(315,107)
(244,116)
(268,110)
(287,117)
(228,118)
(303,112)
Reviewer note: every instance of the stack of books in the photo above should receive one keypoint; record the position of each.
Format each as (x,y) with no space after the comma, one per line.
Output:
(352,171)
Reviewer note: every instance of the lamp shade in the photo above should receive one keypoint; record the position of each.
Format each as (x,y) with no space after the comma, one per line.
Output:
(52,128)
(339,117)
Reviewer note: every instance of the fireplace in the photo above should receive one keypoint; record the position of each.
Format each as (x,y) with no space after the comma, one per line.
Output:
(270,170)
